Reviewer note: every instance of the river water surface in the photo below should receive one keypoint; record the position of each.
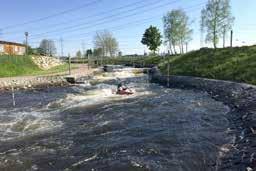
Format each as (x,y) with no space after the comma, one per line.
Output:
(87,127)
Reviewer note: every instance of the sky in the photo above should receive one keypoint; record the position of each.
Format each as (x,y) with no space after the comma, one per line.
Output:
(77,21)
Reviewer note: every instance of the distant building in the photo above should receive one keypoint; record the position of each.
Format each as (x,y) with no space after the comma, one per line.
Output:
(12,48)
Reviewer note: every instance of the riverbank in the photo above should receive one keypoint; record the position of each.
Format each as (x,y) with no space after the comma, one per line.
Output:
(17,66)
(233,64)
(241,98)
(41,81)
(90,127)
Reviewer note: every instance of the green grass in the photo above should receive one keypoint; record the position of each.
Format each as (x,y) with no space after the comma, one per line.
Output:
(11,66)
(235,64)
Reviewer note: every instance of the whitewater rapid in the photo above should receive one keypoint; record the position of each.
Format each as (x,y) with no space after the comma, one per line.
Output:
(18,123)
(90,127)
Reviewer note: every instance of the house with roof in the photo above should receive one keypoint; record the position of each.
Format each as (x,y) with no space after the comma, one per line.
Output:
(12,48)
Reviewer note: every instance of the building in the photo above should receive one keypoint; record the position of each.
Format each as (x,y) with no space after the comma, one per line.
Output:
(12,48)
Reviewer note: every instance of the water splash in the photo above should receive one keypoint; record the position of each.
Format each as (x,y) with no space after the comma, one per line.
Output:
(20,124)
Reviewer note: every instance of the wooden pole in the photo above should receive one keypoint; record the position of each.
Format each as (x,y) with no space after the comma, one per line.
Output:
(168,74)
(69,65)
(88,64)
(231,38)
(61,47)
(13,97)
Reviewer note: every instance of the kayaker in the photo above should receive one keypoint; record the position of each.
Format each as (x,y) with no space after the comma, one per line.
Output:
(121,87)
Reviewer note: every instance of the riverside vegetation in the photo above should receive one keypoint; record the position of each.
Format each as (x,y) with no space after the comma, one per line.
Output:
(234,64)
(11,66)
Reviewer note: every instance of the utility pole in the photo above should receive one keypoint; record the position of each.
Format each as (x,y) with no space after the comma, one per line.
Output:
(61,47)
(26,35)
(231,38)
(186,47)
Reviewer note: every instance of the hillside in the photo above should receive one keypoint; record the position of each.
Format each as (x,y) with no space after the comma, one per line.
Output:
(20,65)
(236,64)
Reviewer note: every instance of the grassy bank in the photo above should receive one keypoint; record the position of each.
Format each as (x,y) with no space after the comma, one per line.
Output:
(236,64)
(11,66)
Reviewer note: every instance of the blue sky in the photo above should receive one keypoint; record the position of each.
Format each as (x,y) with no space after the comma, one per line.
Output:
(127,20)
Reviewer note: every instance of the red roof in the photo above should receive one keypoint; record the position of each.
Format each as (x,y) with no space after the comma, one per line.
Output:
(11,43)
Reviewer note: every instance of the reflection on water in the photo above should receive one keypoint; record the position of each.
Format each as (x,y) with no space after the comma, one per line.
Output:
(90,128)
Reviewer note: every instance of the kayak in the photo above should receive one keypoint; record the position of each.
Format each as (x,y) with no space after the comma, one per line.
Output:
(124,92)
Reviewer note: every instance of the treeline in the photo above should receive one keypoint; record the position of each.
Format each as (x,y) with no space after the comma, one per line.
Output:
(216,22)
(46,48)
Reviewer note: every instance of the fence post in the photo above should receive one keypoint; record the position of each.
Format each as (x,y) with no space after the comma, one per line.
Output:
(168,74)
(231,38)
(88,62)
(13,97)
(69,65)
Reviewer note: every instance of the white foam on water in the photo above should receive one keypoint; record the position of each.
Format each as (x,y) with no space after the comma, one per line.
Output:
(102,92)
(85,160)
(120,73)
(20,124)
(15,124)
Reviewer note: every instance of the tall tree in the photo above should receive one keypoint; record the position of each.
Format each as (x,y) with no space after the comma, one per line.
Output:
(107,42)
(216,20)
(88,52)
(120,54)
(152,38)
(79,54)
(47,47)
(97,52)
(176,30)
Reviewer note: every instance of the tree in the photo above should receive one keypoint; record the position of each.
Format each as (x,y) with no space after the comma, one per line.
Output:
(176,30)
(120,54)
(31,51)
(97,52)
(152,38)
(79,54)
(216,20)
(47,47)
(89,52)
(106,42)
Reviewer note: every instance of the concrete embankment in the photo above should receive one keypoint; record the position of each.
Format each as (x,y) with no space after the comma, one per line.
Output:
(241,98)
(58,79)
(31,82)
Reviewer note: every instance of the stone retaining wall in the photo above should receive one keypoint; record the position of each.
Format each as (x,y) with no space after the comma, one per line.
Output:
(46,62)
(241,98)
(31,82)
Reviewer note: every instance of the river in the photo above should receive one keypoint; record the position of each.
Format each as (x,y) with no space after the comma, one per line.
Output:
(87,127)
